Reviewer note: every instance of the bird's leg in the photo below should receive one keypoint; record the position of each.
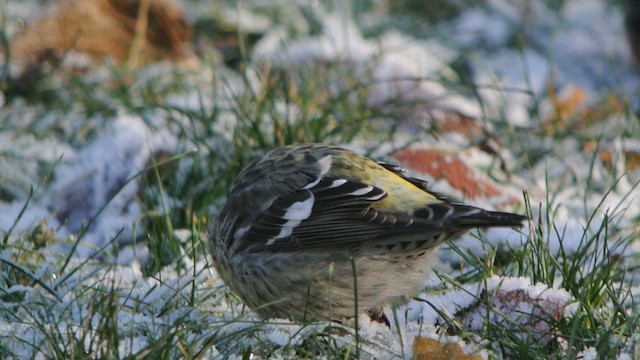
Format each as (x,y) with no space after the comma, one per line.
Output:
(377,314)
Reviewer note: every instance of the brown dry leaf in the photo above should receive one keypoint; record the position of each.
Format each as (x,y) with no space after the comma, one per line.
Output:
(632,159)
(570,110)
(516,304)
(630,150)
(440,164)
(468,130)
(429,349)
(610,105)
(138,31)
(471,128)
(567,106)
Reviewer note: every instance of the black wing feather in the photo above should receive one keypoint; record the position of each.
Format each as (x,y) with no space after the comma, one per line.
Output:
(343,215)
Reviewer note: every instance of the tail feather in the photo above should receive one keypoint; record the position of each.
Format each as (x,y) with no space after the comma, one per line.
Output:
(465,216)
(486,218)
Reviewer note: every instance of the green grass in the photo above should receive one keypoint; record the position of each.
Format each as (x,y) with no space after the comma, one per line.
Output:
(598,275)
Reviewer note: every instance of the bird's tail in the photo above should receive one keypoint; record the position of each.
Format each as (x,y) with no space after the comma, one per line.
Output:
(462,216)
(472,217)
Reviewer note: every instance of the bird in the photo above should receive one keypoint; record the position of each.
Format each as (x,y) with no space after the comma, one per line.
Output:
(314,232)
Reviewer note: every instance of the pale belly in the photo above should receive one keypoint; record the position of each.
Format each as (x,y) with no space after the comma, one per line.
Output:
(320,287)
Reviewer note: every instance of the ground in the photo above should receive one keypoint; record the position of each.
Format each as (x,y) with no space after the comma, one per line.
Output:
(110,171)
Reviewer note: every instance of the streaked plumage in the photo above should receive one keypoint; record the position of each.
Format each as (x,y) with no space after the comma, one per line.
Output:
(295,217)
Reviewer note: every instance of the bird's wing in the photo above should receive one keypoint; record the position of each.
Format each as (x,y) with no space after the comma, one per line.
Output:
(336,212)
(417,182)
(402,172)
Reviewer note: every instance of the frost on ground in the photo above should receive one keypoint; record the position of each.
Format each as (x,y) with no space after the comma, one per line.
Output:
(85,197)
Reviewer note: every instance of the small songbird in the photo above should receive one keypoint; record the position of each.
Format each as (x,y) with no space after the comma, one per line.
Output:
(304,223)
